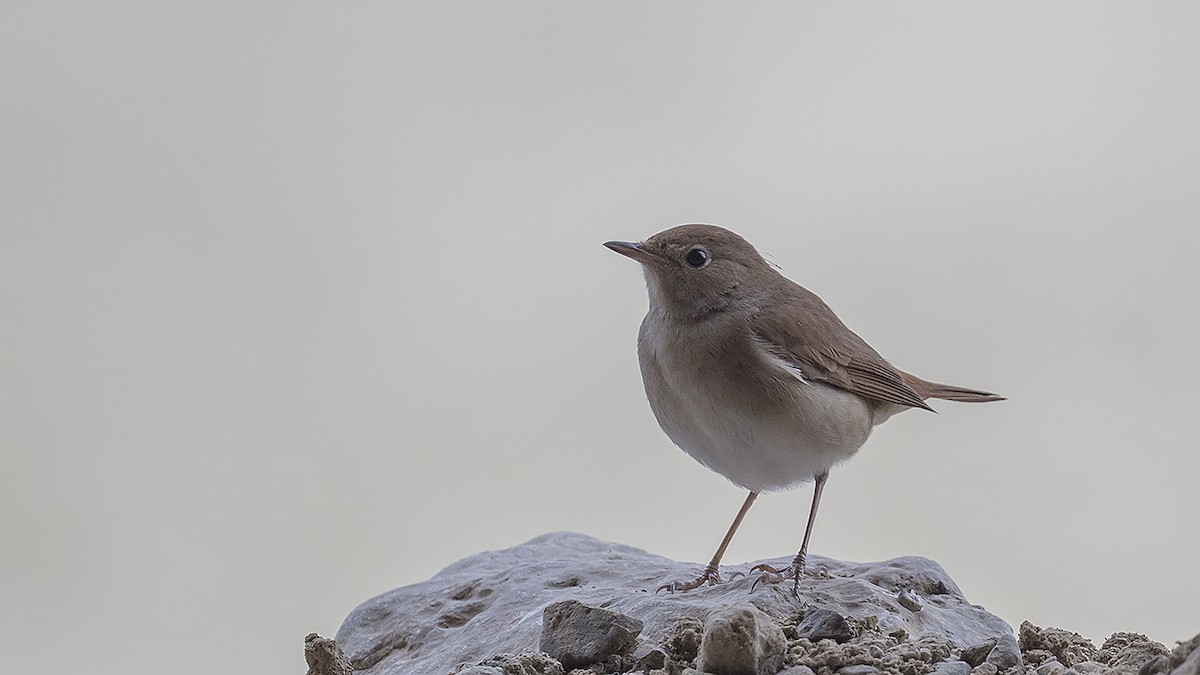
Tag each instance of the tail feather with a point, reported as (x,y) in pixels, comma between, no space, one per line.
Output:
(948,392)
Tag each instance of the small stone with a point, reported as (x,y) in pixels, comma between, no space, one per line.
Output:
(1006,653)
(860,669)
(480,670)
(977,654)
(1036,657)
(1191,664)
(1182,651)
(820,624)
(684,640)
(579,635)
(647,657)
(909,599)
(1051,667)
(1066,646)
(984,669)
(1155,665)
(741,641)
(952,667)
(525,663)
(325,657)
(1129,651)
(797,670)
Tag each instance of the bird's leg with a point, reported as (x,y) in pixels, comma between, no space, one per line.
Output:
(796,569)
(711,574)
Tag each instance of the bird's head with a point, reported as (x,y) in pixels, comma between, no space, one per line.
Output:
(697,270)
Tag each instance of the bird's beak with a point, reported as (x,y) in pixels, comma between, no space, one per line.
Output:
(632,249)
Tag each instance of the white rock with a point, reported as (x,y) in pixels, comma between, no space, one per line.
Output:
(492,602)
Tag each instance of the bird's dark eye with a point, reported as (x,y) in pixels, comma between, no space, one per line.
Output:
(697,257)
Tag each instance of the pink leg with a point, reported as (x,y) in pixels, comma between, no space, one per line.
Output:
(796,569)
(711,574)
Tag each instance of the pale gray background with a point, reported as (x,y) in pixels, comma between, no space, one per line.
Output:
(302,302)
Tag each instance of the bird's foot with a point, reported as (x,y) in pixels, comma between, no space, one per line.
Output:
(772,575)
(711,576)
(795,572)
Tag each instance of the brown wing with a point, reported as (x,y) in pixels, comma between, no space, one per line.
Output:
(949,392)
(800,327)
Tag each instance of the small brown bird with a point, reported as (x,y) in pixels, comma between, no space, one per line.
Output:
(755,377)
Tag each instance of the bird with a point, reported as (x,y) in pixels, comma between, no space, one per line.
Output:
(756,378)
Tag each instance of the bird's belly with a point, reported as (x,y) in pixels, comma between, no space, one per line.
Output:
(758,440)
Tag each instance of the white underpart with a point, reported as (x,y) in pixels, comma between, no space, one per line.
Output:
(758,445)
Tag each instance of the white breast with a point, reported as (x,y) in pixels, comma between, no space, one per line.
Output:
(762,425)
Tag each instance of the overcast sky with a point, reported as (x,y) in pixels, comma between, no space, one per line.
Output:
(302,302)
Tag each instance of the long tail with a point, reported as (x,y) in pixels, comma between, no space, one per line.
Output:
(948,392)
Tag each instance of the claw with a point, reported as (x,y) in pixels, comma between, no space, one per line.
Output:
(710,576)
(772,575)
(763,567)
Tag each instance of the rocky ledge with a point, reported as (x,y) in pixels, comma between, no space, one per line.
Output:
(565,603)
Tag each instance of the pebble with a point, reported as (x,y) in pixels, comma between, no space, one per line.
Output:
(952,667)
(820,624)
(984,669)
(860,669)
(1051,667)
(579,635)
(741,641)
(1006,653)
(909,599)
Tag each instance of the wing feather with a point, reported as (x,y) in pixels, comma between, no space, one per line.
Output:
(824,349)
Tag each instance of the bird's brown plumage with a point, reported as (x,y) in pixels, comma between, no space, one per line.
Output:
(789,321)
(756,377)
(825,350)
